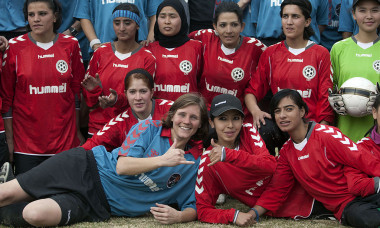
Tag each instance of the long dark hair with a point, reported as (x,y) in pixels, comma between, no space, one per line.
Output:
(294,96)
(54,5)
(306,8)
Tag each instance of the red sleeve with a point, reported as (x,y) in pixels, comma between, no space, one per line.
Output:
(340,149)
(112,135)
(91,97)
(324,109)
(77,70)
(279,187)
(359,183)
(8,78)
(258,159)
(259,83)
(207,190)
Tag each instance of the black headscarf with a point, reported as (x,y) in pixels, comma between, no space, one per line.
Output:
(181,37)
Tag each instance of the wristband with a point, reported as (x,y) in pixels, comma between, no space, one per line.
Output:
(235,216)
(93,42)
(73,31)
(257,214)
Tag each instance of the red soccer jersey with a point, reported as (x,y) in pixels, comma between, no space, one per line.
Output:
(318,165)
(243,175)
(40,86)
(308,72)
(113,134)
(178,69)
(228,74)
(359,183)
(112,72)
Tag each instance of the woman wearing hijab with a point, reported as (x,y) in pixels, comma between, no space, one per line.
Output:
(177,57)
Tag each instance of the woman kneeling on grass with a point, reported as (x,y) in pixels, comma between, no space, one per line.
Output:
(237,163)
(315,156)
(156,166)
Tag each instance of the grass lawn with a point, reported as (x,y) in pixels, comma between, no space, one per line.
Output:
(148,221)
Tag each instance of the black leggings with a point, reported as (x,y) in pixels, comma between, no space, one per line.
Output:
(362,212)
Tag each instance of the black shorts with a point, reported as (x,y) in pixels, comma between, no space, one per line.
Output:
(362,212)
(70,178)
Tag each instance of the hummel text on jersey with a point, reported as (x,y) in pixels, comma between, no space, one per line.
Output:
(45,56)
(120,65)
(364,55)
(218,89)
(303,157)
(295,60)
(225,60)
(148,182)
(47,89)
(304,94)
(169,56)
(275,2)
(173,88)
(117,1)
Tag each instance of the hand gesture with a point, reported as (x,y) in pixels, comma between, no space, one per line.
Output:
(3,43)
(215,154)
(108,101)
(90,83)
(258,118)
(174,156)
(165,214)
(245,219)
(336,101)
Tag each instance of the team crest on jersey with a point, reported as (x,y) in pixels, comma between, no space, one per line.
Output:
(237,74)
(62,66)
(185,66)
(376,66)
(309,72)
(173,180)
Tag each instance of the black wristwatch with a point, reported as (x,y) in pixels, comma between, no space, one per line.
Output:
(73,31)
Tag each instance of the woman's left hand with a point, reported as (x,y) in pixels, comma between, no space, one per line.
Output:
(3,43)
(165,214)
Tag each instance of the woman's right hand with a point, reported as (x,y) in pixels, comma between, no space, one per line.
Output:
(258,117)
(174,157)
(90,83)
(108,101)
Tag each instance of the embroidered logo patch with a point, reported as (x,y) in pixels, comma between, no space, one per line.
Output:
(173,180)
(376,66)
(185,66)
(61,66)
(309,72)
(237,74)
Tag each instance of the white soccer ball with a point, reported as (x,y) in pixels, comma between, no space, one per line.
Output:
(355,93)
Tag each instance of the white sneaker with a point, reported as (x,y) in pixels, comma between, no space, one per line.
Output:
(6,173)
(221,199)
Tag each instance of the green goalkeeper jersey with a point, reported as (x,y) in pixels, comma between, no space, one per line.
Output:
(349,60)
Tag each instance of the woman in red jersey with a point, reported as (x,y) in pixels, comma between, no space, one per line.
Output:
(296,63)
(40,88)
(139,92)
(315,157)
(237,163)
(111,62)
(178,58)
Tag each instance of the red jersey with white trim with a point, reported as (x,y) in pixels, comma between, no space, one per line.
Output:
(308,72)
(243,175)
(178,69)
(318,165)
(359,183)
(40,86)
(112,72)
(228,74)
(113,134)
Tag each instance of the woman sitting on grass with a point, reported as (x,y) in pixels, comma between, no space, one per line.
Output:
(315,157)
(237,163)
(156,166)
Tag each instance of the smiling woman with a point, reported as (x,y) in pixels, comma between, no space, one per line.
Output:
(111,62)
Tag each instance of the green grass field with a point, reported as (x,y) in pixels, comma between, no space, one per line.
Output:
(148,221)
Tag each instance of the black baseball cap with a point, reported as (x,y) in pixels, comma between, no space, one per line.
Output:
(225,102)
(356,2)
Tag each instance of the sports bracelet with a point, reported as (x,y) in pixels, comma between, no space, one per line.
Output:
(257,214)
(93,42)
